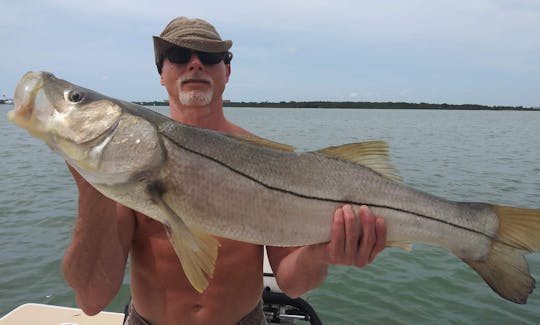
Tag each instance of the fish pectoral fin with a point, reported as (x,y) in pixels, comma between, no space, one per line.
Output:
(262,142)
(399,244)
(196,250)
(372,154)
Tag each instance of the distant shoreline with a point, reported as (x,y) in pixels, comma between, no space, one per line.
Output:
(363,105)
(354,105)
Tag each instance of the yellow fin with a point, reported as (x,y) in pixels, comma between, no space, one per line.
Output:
(263,142)
(506,271)
(371,154)
(505,268)
(518,227)
(399,244)
(196,250)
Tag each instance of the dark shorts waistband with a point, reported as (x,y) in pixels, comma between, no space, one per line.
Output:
(255,317)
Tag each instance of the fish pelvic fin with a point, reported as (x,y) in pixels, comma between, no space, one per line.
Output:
(196,250)
(505,269)
(372,154)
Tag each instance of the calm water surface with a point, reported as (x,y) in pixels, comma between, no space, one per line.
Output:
(460,155)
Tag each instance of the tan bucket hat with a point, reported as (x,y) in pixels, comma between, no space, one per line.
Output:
(195,34)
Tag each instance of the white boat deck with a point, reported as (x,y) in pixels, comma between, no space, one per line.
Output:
(57,315)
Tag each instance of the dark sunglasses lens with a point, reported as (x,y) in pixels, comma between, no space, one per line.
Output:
(210,58)
(179,55)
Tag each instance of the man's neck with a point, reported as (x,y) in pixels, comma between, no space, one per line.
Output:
(208,117)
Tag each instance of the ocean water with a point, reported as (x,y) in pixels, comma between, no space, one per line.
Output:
(461,155)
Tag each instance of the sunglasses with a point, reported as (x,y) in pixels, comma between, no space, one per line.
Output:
(180,55)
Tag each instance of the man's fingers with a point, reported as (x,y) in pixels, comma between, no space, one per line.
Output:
(337,243)
(352,234)
(356,238)
(368,237)
(380,230)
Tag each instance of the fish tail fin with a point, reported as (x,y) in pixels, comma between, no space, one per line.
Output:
(505,269)
(519,228)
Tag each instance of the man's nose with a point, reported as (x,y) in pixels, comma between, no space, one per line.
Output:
(194,62)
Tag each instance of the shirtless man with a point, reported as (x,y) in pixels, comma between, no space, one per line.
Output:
(194,66)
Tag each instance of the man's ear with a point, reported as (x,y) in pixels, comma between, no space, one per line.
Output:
(161,81)
(227,72)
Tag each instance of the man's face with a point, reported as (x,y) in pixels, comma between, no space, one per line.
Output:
(195,83)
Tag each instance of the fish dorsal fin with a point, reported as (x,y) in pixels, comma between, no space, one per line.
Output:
(262,142)
(196,250)
(371,154)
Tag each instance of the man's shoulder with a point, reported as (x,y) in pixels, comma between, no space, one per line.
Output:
(235,129)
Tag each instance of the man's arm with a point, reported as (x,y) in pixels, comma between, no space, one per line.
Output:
(356,240)
(95,260)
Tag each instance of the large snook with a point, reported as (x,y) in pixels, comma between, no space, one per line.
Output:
(200,183)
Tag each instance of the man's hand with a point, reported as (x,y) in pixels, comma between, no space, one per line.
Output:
(357,238)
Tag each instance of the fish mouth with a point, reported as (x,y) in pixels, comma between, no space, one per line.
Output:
(25,97)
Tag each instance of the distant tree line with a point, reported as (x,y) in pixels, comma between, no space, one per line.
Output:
(374,105)
(365,105)
(153,103)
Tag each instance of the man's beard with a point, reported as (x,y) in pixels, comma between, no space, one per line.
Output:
(195,97)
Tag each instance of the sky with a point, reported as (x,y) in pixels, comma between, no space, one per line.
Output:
(483,52)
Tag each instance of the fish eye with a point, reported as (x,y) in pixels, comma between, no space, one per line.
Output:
(75,96)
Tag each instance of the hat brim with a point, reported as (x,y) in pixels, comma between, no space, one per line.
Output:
(193,43)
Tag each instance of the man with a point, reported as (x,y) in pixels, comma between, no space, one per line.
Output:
(194,66)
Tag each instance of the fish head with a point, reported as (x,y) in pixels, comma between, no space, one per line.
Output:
(69,118)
